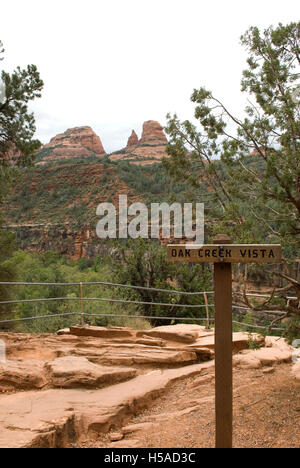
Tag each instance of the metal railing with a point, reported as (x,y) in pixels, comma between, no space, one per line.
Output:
(83,299)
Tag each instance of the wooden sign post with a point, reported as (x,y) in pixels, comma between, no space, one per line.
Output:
(222,253)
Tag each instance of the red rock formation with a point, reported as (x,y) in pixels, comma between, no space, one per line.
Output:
(149,149)
(73,143)
(133,139)
(153,133)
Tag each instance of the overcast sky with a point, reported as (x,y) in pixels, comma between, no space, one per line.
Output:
(114,64)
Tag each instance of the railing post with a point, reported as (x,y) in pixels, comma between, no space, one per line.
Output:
(81,304)
(207,312)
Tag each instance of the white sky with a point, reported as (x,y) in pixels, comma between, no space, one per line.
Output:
(114,64)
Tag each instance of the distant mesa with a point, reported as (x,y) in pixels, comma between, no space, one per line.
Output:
(78,142)
(150,148)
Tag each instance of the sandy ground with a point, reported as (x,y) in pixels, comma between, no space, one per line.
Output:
(266,414)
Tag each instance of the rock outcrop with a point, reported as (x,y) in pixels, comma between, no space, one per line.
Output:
(276,351)
(73,143)
(132,140)
(153,134)
(150,148)
(73,372)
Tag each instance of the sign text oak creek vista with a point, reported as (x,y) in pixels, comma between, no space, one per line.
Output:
(230,253)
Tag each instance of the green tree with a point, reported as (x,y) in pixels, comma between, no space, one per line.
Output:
(17,124)
(251,164)
(17,128)
(142,263)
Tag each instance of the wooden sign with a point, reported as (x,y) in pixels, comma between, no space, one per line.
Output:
(230,253)
(222,253)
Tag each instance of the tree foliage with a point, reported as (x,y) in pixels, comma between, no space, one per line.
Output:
(247,168)
(17,124)
(145,264)
(251,164)
(17,127)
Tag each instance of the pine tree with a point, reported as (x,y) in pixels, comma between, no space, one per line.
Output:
(17,146)
(247,169)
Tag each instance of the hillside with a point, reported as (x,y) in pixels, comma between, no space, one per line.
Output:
(53,207)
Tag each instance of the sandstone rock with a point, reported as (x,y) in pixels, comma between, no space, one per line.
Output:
(139,357)
(240,341)
(23,375)
(269,370)
(153,133)
(71,372)
(268,356)
(73,143)
(150,341)
(149,149)
(246,361)
(171,333)
(203,354)
(64,331)
(101,332)
(277,342)
(115,436)
(278,353)
(132,140)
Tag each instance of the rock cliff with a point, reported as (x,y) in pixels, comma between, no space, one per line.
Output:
(150,148)
(73,143)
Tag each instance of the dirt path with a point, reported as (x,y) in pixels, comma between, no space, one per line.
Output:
(266,414)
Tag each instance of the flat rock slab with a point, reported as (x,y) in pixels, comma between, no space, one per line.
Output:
(72,372)
(150,341)
(240,341)
(52,418)
(65,372)
(102,332)
(19,375)
(176,333)
(132,355)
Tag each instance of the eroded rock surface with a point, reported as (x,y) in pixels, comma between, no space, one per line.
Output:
(89,380)
(150,148)
(277,351)
(22,375)
(78,142)
(72,372)
(52,418)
